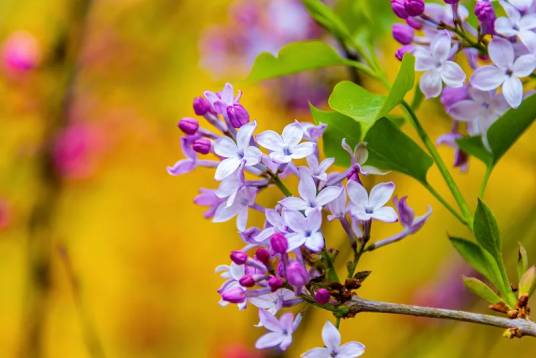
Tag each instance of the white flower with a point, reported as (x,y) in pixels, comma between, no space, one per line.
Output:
(286,147)
(273,301)
(318,170)
(337,207)
(310,199)
(229,187)
(438,69)
(275,223)
(516,24)
(334,349)
(240,208)
(365,207)
(306,230)
(506,71)
(236,154)
(281,330)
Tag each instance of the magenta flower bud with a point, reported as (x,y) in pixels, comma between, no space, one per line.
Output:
(202,145)
(297,275)
(247,281)
(21,52)
(403,33)
(201,106)
(322,296)
(414,7)
(452,2)
(263,255)
(451,95)
(486,16)
(275,283)
(399,9)
(413,22)
(238,115)
(404,50)
(239,257)
(279,243)
(234,295)
(188,125)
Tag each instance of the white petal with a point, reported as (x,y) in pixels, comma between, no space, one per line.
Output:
(226,168)
(529,40)
(270,140)
(488,78)
(293,203)
(302,150)
(269,340)
(501,52)
(223,213)
(316,353)
(315,242)
(327,195)
(466,110)
(528,22)
(269,321)
(227,94)
(295,220)
(245,132)
(351,350)
(252,156)
(511,11)
(452,74)
(441,45)
(386,214)
(242,219)
(504,26)
(225,147)
(331,336)
(307,186)
(513,91)
(524,65)
(521,4)
(359,213)
(431,84)
(424,60)
(380,194)
(292,134)
(357,193)
(313,221)
(295,240)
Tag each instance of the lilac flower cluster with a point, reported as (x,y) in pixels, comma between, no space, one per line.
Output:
(285,262)
(500,51)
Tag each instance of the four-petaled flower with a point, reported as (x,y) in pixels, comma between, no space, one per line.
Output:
(240,208)
(281,330)
(333,347)
(517,24)
(286,147)
(366,207)
(306,230)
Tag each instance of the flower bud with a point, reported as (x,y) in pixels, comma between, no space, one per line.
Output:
(188,125)
(297,276)
(404,50)
(399,9)
(275,283)
(201,106)
(486,16)
(202,145)
(452,2)
(279,243)
(238,115)
(263,255)
(322,296)
(414,7)
(21,52)
(413,22)
(234,295)
(403,33)
(239,257)
(247,281)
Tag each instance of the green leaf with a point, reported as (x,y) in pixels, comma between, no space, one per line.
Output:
(327,18)
(474,146)
(390,149)
(338,127)
(482,290)
(522,261)
(486,230)
(293,58)
(403,84)
(527,283)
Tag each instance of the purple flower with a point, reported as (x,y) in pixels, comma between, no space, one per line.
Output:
(281,330)
(236,154)
(240,208)
(485,13)
(517,24)
(275,224)
(231,287)
(297,275)
(366,207)
(286,147)
(306,230)
(451,96)
(337,207)
(224,99)
(238,115)
(403,33)
(318,170)
(407,217)
(437,66)
(506,71)
(333,347)
(208,198)
(272,302)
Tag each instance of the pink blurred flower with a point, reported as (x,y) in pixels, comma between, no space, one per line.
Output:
(5,214)
(21,52)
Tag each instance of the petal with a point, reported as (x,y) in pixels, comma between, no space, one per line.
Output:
(181,167)
(440,47)
(315,242)
(331,336)
(270,140)
(293,203)
(424,60)
(307,186)
(529,40)
(351,350)
(242,219)
(488,78)
(269,321)
(295,220)
(226,168)
(501,52)
(269,340)
(431,84)
(280,157)
(252,156)
(357,193)
(327,195)
(511,11)
(465,111)
(223,213)
(292,134)
(225,147)
(313,221)
(316,353)
(243,138)
(528,22)
(227,94)
(295,241)
(302,150)
(285,321)
(524,65)
(504,26)
(359,213)
(380,194)
(452,74)
(513,91)
(385,214)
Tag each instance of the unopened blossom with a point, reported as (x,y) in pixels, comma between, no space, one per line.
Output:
(434,61)
(220,101)
(236,153)
(306,230)
(310,199)
(286,147)
(281,330)
(366,207)
(21,52)
(403,33)
(333,347)
(506,71)
(518,23)
(297,275)
(240,208)
(359,156)
(485,13)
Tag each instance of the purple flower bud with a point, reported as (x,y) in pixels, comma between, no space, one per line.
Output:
(239,257)
(238,115)
(188,125)
(297,276)
(404,50)
(247,281)
(263,255)
(275,283)
(234,295)
(322,296)
(403,33)
(486,16)
(451,95)
(413,22)
(279,243)
(405,213)
(399,9)
(201,106)
(414,7)
(202,145)
(452,2)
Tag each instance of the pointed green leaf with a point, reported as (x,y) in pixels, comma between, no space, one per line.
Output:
(327,18)
(403,84)
(338,127)
(390,149)
(482,290)
(527,283)
(522,261)
(474,146)
(486,230)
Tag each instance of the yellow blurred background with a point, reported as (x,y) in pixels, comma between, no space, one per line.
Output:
(139,248)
